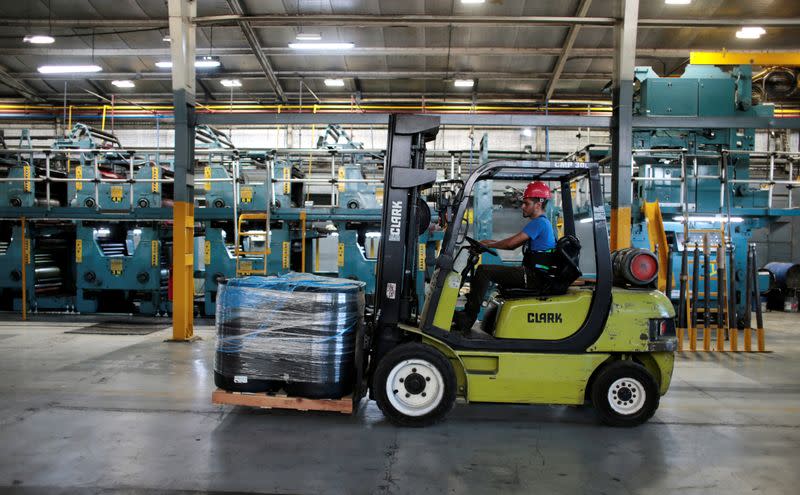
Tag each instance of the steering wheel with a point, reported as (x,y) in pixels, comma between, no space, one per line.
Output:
(480,248)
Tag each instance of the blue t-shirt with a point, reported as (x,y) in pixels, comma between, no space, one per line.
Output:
(540,230)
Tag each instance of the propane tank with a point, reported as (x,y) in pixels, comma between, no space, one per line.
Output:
(634,267)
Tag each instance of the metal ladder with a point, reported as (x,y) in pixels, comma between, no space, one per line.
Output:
(245,267)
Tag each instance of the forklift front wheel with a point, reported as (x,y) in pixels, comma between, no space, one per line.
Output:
(414,385)
(625,394)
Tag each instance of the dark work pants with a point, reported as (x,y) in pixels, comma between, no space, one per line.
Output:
(507,276)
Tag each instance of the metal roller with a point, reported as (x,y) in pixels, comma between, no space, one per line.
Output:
(49,277)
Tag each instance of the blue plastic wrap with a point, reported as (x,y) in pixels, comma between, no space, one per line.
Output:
(298,332)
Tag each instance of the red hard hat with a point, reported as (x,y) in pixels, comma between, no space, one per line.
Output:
(537,189)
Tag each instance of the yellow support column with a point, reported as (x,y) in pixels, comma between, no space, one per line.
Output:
(620,228)
(182,33)
(183,272)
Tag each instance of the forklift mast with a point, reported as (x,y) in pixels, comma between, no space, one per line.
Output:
(404,175)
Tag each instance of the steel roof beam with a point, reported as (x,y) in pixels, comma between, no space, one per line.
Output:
(355,52)
(572,35)
(374,97)
(19,86)
(258,51)
(399,20)
(86,23)
(491,21)
(365,75)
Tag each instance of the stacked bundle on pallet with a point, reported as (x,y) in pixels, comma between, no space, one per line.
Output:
(297,332)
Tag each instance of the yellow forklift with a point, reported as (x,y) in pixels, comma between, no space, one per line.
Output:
(592,342)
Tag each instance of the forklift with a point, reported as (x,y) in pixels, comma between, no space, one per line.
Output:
(591,343)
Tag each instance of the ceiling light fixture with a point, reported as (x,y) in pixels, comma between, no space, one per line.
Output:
(677,2)
(68,69)
(231,83)
(334,82)
(38,39)
(308,37)
(750,32)
(527,132)
(167,39)
(321,46)
(207,63)
(123,83)
(472,2)
(464,83)
(200,63)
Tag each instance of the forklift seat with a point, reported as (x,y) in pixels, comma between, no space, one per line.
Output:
(554,271)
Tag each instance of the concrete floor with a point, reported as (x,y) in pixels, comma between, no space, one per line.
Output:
(132,414)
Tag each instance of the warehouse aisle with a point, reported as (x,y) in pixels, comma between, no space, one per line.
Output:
(98,413)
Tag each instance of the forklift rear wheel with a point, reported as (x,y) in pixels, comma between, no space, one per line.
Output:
(414,385)
(625,394)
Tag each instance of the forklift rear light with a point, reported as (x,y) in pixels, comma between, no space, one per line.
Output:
(662,328)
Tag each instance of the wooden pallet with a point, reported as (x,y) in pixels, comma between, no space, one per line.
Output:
(281,401)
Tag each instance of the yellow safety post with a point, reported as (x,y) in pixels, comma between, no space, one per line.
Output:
(733,336)
(25,257)
(103,120)
(303,241)
(748,340)
(733,331)
(316,255)
(183,271)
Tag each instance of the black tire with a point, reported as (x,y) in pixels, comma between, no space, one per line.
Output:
(636,393)
(422,370)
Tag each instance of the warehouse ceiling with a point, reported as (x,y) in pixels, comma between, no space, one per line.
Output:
(394,58)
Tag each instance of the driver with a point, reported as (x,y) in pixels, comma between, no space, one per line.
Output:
(536,236)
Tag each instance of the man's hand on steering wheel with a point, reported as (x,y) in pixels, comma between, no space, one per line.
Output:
(479,247)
